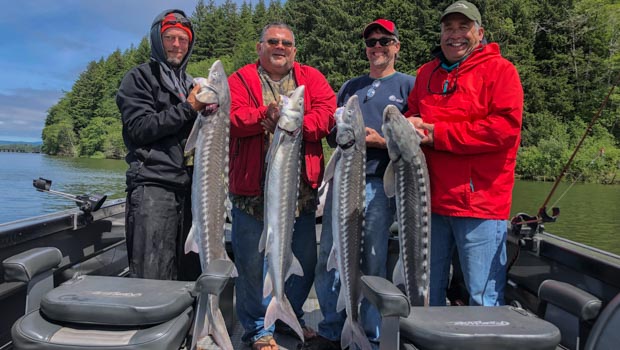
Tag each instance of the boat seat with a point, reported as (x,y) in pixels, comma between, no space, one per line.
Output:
(570,308)
(452,327)
(97,312)
(605,334)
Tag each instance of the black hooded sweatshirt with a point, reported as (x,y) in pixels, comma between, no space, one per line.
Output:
(156,117)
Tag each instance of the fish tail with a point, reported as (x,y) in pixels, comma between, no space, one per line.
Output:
(281,309)
(353,333)
(217,326)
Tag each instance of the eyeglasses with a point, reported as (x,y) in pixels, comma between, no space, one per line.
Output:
(173,38)
(446,88)
(275,42)
(371,92)
(384,41)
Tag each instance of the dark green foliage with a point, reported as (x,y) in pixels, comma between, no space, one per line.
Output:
(567,54)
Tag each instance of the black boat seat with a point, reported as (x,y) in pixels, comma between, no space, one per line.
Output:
(97,312)
(451,327)
(34,331)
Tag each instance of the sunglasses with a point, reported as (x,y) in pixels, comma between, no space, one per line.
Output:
(373,88)
(446,89)
(182,21)
(275,42)
(384,41)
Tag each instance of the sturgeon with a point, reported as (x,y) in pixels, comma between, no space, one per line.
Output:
(281,192)
(209,140)
(407,178)
(347,171)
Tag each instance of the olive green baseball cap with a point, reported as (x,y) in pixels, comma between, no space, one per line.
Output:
(465,8)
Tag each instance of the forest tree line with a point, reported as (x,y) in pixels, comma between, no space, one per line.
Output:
(567,54)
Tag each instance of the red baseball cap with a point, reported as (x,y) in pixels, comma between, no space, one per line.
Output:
(176,20)
(389,26)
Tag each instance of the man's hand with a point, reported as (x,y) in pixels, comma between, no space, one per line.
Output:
(191,99)
(373,139)
(272,117)
(425,130)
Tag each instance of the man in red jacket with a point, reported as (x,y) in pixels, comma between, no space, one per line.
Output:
(468,103)
(255,90)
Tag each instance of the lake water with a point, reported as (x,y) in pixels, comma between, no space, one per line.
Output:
(590,213)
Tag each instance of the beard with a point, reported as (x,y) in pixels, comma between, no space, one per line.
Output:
(174,62)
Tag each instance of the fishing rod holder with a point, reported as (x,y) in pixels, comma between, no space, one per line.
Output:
(86,203)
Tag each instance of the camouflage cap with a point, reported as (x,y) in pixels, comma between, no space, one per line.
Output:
(465,8)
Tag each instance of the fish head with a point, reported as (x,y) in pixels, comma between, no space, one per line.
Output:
(400,136)
(350,125)
(292,110)
(214,89)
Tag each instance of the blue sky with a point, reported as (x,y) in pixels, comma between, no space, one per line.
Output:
(47,43)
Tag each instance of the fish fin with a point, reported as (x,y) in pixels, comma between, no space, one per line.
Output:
(217,326)
(398,276)
(353,333)
(267,286)
(389,185)
(332,260)
(330,168)
(190,241)
(190,144)
(342,299)
(322,197)
(294,269)
(282,310)
(263,240)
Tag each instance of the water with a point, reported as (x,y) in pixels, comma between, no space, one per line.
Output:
(589,212)
(76,176)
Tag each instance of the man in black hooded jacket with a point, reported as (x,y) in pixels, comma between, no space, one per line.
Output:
(157,101)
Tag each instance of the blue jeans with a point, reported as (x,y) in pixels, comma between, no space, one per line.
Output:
(250,263)
(379,216)
(481,246)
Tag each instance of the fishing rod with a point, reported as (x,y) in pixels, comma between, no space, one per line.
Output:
(542,216)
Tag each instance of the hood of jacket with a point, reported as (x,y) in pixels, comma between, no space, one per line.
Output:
(176,80)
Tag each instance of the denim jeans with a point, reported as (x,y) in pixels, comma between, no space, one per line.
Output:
(250,263)
(481,246)
(379,215)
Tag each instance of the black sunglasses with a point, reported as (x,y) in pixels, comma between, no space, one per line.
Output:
(275,42)
(384,41)
(446,89)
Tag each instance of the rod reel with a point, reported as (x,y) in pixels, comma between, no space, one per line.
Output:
(87,203)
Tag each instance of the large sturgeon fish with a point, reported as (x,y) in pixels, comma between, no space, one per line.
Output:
(407,178)
(281,191)
(347,171)
(209,140)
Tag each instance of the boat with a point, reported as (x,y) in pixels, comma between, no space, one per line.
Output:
(573,290)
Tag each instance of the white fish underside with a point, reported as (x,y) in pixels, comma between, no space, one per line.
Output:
(210,190)
(281,192)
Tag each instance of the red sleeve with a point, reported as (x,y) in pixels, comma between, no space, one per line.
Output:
(320,105)
(500,129)
(246,109)
(412,100)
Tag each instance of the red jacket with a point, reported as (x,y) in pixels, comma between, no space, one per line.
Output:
(476,136)
(247,136)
